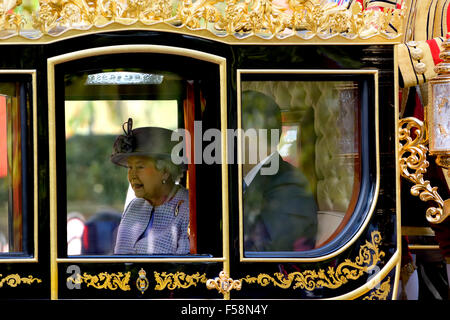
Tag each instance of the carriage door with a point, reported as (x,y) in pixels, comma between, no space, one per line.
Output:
(22,271)
(92,93)
(314,206)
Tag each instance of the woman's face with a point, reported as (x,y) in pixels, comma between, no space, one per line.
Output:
(144,178)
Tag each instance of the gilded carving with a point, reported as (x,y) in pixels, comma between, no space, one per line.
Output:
(104,280)
(142,281)
(239,18)
(13,280)
(368,257)
(223,283)
(9,19)
(177,280)
(382,292)
(413,165)
(192,15)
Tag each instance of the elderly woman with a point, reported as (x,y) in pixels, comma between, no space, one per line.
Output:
(157,220)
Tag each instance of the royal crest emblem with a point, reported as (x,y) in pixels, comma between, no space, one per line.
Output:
(142,281)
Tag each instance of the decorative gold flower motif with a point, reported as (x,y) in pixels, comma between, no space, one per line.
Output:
(238,18)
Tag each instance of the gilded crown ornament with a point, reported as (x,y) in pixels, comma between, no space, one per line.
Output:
(142,281)
(241,19)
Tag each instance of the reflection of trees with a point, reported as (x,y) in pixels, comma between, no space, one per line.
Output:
(87,116)
(84,115)
(93,181)
(107,116)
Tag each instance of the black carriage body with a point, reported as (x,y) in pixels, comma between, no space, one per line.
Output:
(361,262)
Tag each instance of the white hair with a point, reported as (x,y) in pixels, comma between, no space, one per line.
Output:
(175,172)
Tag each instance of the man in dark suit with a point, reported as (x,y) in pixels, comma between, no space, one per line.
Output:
(280,212)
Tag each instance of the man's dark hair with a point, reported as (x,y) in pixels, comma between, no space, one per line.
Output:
(255,103)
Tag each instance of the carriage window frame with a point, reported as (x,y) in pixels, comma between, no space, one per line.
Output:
(371,185)
(116,50)
(31,200)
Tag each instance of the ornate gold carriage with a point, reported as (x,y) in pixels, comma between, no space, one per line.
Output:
(73,71)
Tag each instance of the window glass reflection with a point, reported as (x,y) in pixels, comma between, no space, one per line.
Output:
(97,190)
(157,220)
(4,185)
(95,98)
(310,197)
(14,107)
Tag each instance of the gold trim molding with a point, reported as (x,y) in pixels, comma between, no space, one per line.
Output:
(368,257)
(413,165)
(104,280)
(300,20)
(381,293)
(13,280)
(177,280)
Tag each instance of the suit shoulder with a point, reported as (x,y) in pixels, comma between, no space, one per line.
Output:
(288,174)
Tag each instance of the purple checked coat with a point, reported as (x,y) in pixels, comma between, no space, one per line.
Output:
(168,233)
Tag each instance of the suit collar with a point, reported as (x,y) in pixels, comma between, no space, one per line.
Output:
(256,169)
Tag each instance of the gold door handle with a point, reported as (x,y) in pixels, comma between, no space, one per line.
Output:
(223,283)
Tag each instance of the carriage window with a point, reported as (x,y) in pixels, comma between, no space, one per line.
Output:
(301,153)
(15,172)
(131,181)
(98,191)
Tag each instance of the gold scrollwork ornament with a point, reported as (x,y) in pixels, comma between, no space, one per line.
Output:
(369,256)
(104,280)
(413,165)
(382,292)
(13,280)
(223,283)
(177,280)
